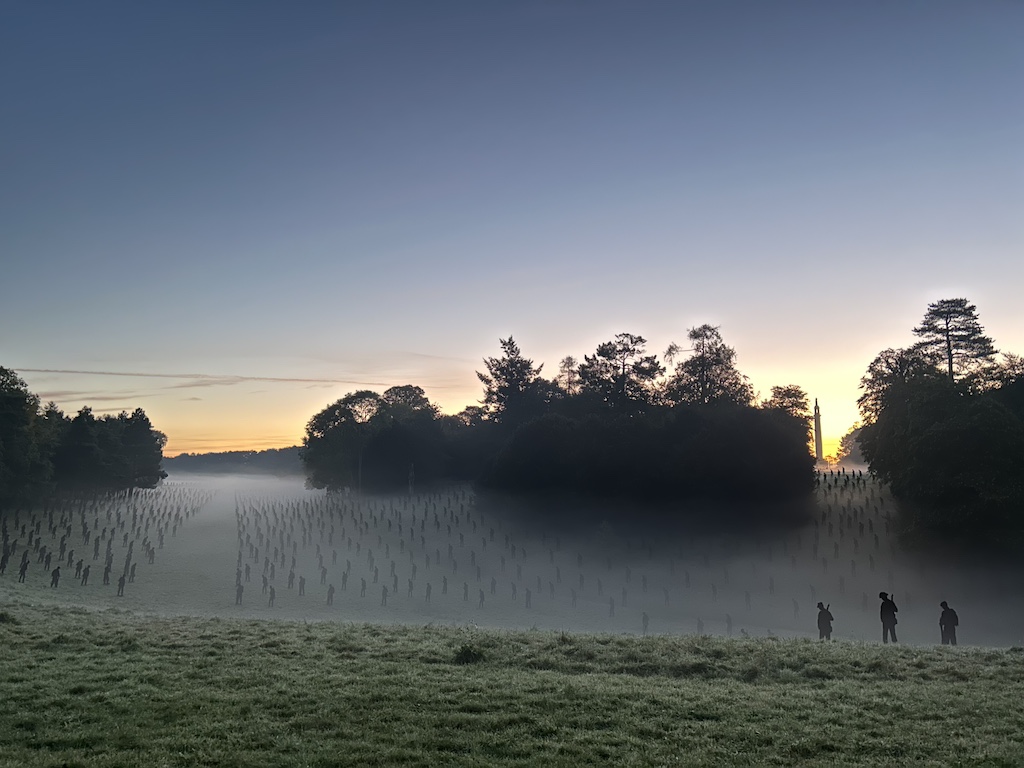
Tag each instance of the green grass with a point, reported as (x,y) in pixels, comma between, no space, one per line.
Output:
(82,688)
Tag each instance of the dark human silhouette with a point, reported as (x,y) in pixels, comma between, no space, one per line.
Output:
(948,622)
(330,595)
(22,570)
(824,622)
(55,577)
(887,612)
(85,576)
(238,594)
(120,585)
(273,594)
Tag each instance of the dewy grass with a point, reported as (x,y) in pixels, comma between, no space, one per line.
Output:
(82,688)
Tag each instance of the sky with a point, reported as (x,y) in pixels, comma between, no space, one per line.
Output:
(232,214)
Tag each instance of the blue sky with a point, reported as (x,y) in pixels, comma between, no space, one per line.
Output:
(269,205)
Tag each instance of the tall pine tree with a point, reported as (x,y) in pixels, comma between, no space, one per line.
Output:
(952,334)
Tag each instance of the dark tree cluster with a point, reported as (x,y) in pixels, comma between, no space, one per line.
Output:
(683,453)
(944,426)
(619,423)
(42,449)
(273,461)
(376,441)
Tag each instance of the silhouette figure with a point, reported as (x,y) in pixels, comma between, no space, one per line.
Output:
(55,577)
(824,622)
(887,612)
(330,595)
(85,576)
(273,594)
(238,594)
(120,585)
(948,622)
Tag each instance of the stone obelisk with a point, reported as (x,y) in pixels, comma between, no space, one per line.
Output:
(817,432)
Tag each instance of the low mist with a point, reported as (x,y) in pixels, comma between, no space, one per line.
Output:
(453,558)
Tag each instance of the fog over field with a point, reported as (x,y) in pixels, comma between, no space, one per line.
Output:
(450,558)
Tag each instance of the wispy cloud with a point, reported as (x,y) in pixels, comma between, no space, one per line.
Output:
(62,395)
(205,379)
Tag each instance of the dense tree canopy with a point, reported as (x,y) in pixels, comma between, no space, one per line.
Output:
(42,449)
(791,400)
(603,427)
(891,367)
(943,426)
(513,389)
(620,373)
(375,440)
(24,462)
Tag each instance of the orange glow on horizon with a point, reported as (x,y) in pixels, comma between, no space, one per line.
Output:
(830,444)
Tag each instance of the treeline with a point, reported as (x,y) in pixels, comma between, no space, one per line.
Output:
(621,423)
(42,449)
(944,426)
(273,461)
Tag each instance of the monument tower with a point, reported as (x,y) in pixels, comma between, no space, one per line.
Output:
(817,432)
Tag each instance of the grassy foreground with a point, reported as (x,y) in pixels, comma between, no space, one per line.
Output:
(81,688)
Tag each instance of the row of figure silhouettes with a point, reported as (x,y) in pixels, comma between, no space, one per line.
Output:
(948,621)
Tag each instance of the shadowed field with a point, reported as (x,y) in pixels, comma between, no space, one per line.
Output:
(92,688)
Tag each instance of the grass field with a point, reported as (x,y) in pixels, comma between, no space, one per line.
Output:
(83,687)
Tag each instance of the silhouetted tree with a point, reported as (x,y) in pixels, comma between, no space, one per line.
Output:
(709,375)
(621,373)
(955,458)
(1010,369)
(512,391)
(472,415)
(408,400)
(891,367)
(792,400)
(952,333)
(79,461)
(24,456)
(142,450)
(336,438)
(569,375)
(371,440)
(849,451)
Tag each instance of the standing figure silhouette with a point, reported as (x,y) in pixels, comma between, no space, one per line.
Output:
(887,612)
(948,622)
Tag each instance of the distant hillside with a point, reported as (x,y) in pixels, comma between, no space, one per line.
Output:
(275,461)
